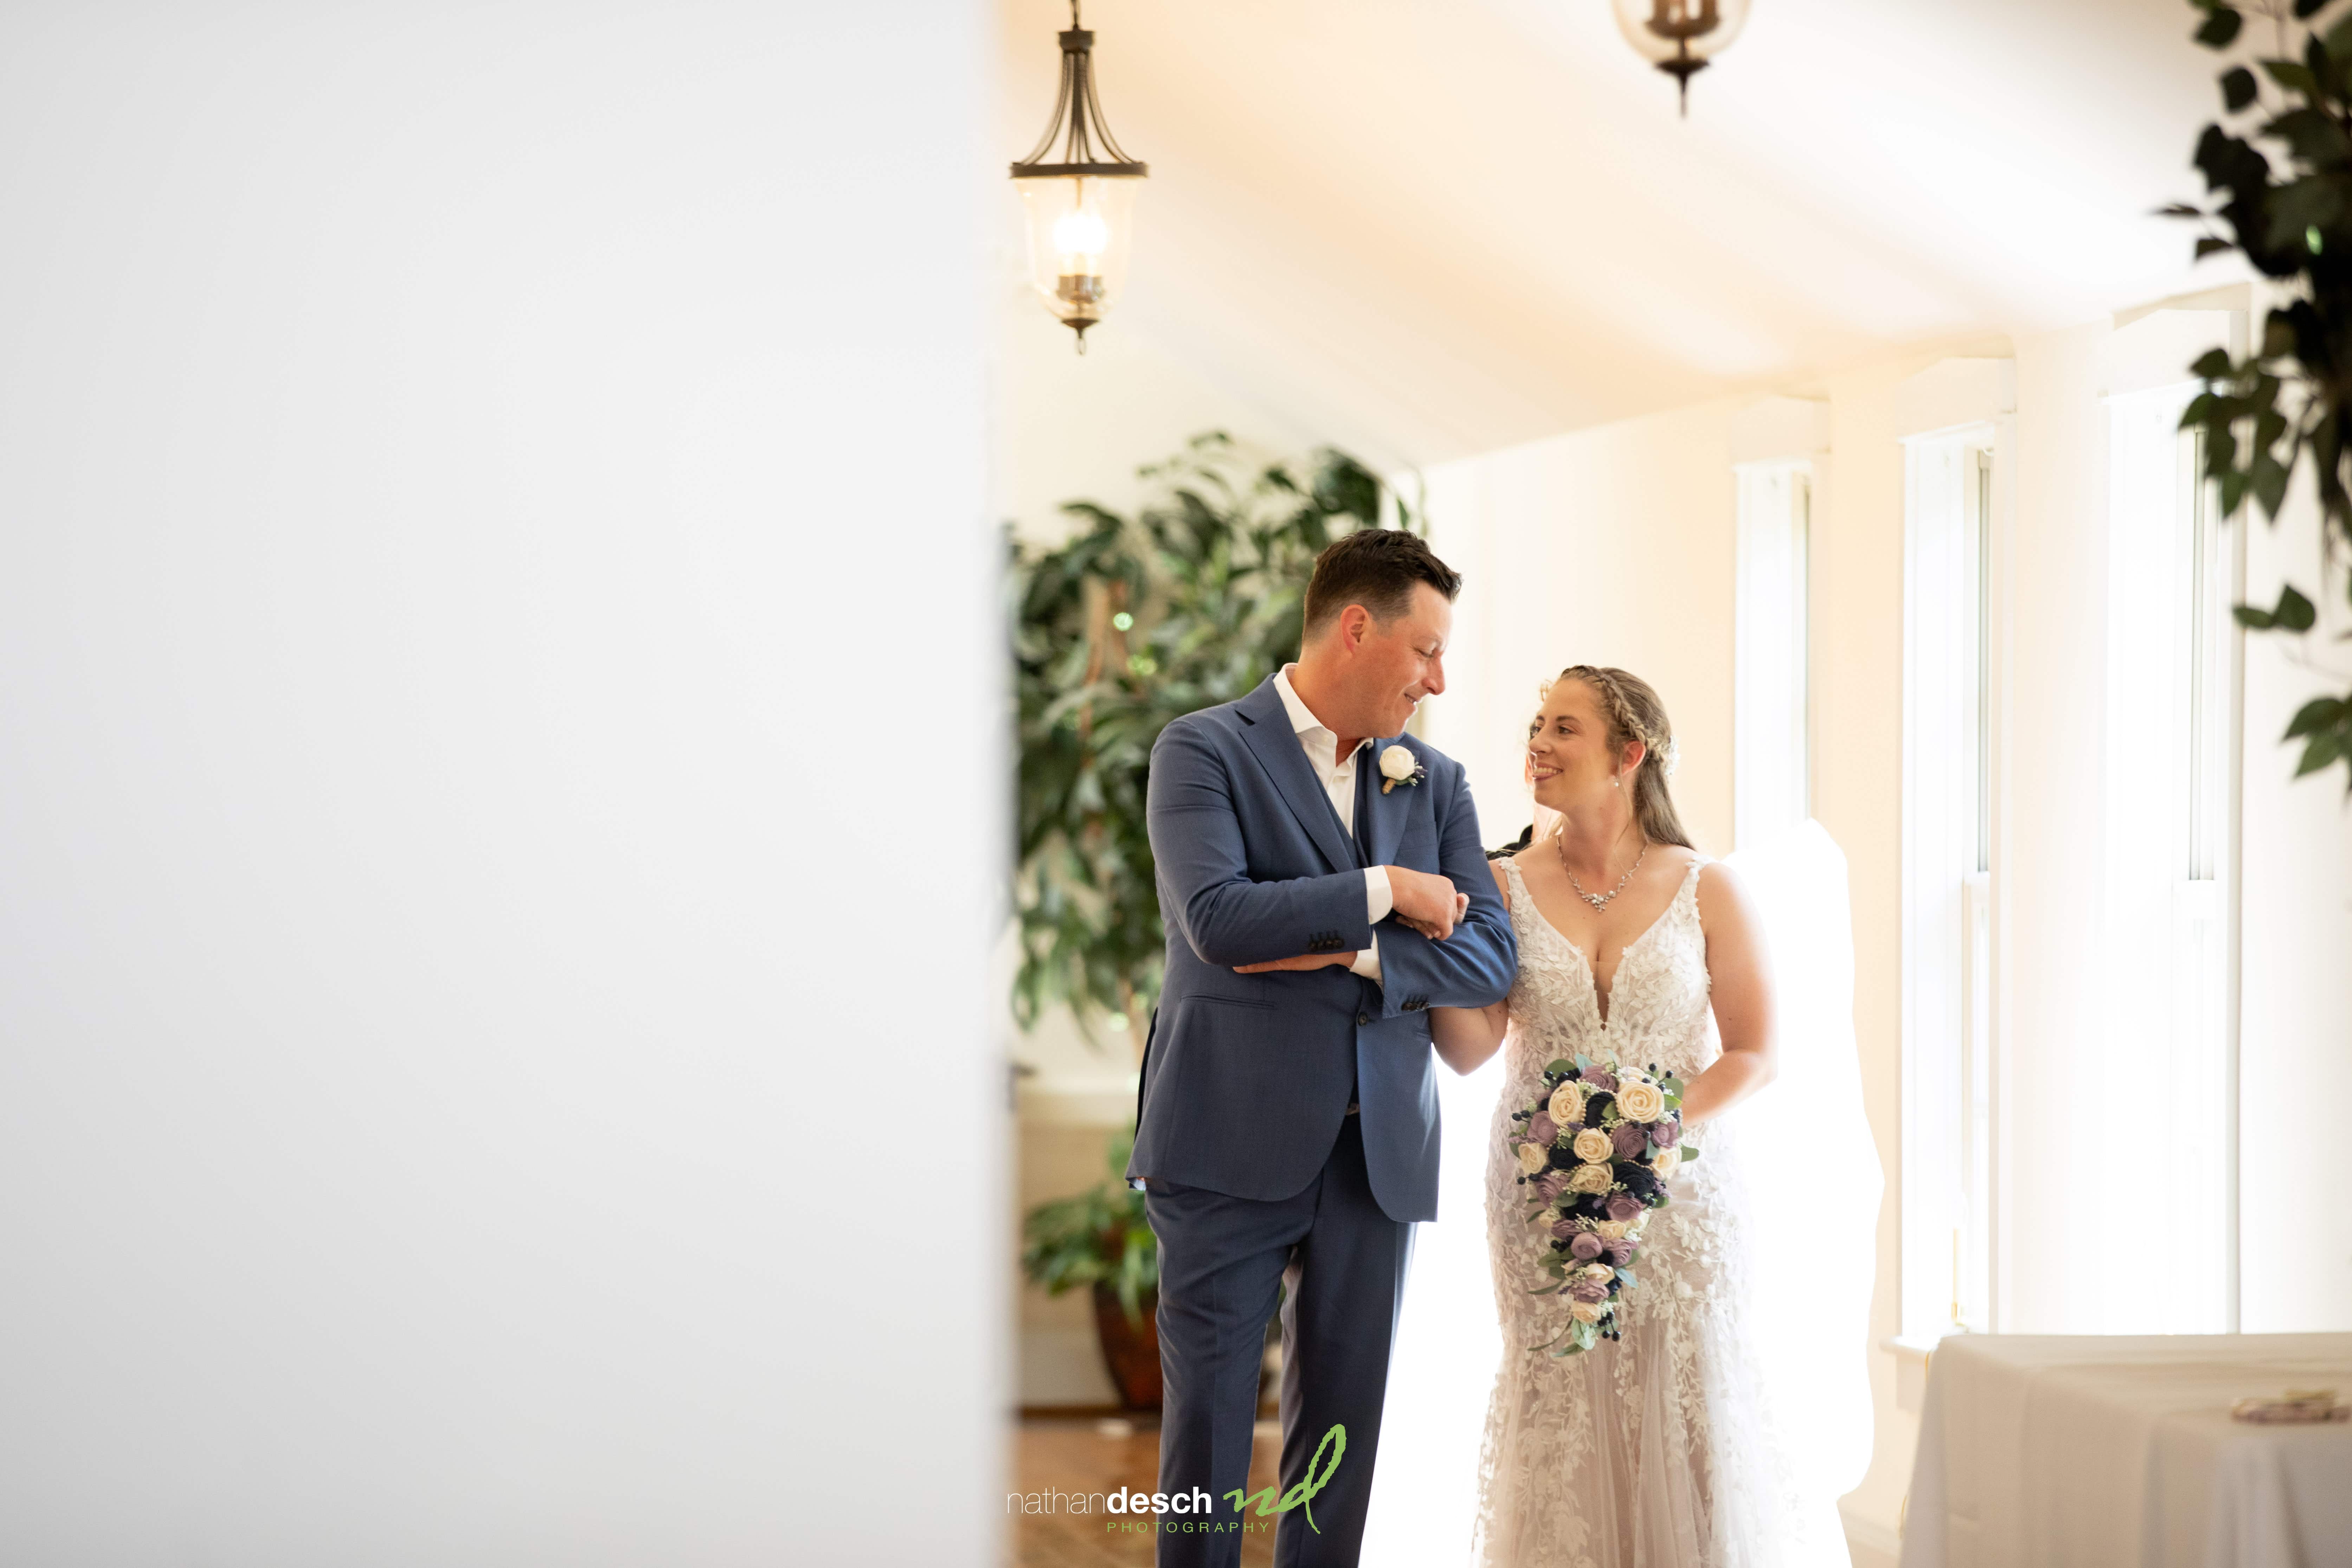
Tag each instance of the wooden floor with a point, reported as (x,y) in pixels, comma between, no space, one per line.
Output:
(1087,1459)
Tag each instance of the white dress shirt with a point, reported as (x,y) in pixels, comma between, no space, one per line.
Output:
(1337,775)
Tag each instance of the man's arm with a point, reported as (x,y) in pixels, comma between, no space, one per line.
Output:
(1473,967)
(1196,839)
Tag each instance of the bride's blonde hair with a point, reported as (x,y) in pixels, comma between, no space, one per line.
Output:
(1635,713)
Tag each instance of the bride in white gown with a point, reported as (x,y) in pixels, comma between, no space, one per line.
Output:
(1660,1449)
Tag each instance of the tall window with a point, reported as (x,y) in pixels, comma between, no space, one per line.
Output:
(2172,751)
(1947,864)
(1772,729)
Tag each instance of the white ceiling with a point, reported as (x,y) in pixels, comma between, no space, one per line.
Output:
(1433,228)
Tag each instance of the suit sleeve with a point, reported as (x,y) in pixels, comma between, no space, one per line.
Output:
(1473,967)
(1207,894)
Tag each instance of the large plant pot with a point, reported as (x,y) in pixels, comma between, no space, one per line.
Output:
(1130,1350)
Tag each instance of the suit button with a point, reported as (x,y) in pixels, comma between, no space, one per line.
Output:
(1363,1018)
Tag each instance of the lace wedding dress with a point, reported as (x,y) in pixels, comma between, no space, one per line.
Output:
(1656,1450)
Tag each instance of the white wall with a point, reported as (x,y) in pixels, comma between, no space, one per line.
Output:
(495,557)
(1609,546)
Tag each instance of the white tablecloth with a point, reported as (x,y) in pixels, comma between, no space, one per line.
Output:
(2097,1452)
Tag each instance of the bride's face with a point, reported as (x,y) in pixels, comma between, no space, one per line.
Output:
(1570,760)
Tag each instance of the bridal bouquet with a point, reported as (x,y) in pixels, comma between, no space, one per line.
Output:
(1596,1151)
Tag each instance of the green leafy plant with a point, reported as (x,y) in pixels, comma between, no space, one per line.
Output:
(1128,624)
(2289,213)
(1099,1236)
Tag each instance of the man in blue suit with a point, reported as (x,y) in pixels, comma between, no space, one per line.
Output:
(1323,886)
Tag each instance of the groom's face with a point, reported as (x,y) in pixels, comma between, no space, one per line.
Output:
(1398,664)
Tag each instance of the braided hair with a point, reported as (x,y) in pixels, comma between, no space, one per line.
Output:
(1635,713)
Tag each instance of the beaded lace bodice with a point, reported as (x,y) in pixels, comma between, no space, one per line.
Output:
(1652,1451)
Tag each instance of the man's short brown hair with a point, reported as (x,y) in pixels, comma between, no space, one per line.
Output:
(1377,568)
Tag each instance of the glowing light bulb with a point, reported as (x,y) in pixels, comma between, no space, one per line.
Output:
(1081,236)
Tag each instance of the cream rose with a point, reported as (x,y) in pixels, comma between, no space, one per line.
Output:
(1592,1145)
(1641,1101)
(1567,1103)
(1588,1312)
(1397,762)
(1590,1179)
(1532,1158)
(1600,1273)
(1667,1159)
(1614,1229)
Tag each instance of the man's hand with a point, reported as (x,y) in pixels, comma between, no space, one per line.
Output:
(1303,960)
(1425,902)
(1460,908)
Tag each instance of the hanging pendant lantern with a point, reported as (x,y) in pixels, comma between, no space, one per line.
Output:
(1679,36)
(1080,197)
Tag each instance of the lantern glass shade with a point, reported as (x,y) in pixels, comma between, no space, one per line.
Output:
(1680,36)
(1081,227)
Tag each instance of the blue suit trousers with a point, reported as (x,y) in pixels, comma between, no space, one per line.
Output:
(1340,1262)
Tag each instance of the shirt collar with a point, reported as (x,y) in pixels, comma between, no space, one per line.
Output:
(1302,718)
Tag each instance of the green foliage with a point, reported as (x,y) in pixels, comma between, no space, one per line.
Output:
(1100,1235)
(2289,212)
(1131,623)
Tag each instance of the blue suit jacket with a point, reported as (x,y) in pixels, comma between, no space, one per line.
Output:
(1246,1078)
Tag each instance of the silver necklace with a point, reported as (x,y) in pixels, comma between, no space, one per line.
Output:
(1598,900)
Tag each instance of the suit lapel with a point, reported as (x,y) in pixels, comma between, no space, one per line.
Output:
(1275,745)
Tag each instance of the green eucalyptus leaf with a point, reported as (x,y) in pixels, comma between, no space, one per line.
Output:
(2324,750)
(2220,28)
(2292,75)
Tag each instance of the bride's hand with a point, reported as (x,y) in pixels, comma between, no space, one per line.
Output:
(1460,908)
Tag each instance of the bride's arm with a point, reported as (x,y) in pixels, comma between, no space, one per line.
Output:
(1741,983)
(1467,1037)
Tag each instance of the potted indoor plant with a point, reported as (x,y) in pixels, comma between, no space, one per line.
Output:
(1101,1238)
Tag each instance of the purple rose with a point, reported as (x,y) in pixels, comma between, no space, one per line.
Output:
(1582,1245)
(1542,1128)
(1629,1139)
(1623,1207)
(1587,1290)
(1621,1252)
(1666,1132)
(1551,1183)
(1599,1077)
(1561,1229)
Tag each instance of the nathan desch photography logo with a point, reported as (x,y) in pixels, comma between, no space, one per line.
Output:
(1193,1509)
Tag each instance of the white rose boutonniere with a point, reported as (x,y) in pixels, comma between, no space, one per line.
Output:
(1400,766)
(1641,1101)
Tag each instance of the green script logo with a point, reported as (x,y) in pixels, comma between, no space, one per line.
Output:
(1300,1496)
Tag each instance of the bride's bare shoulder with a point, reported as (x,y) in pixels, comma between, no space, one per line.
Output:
(1722,896)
